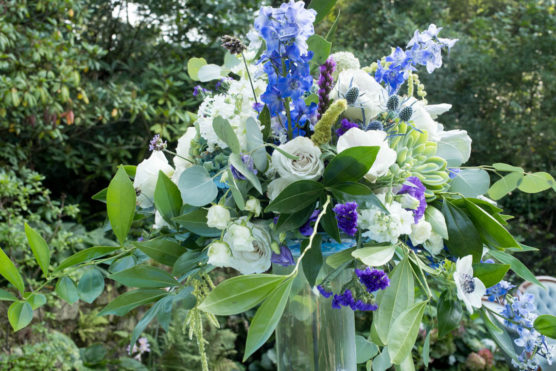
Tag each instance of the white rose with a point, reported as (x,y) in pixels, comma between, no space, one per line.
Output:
(253,205)
(218,217)
(219,254)
(308,166)
(159,221)
(371,99)
(434,244)
(386,156)
(146,176)
(454,146)
(182,150)
(344,61)
(252,253)
(422,119)
(436,110)
(420,232)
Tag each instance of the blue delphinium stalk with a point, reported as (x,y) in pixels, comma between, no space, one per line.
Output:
(424,49)
(413,187)
(500,290)
(346,215)
(286,62)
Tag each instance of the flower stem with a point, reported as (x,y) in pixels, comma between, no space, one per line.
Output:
(249,76)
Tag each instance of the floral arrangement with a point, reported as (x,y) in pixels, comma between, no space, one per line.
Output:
(300,158)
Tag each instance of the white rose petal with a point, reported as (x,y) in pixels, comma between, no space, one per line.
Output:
(250,247)
(422,119)
(146,177)
(434,244)
(239,238)
(218,217)
(308,166)
(386,156)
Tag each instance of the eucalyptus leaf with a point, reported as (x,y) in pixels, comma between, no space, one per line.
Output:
(471,182)
(90,285)
(255,144)
(236,161)
(66,289)
(226,133)
(197,187)
(364,349)
(505,167)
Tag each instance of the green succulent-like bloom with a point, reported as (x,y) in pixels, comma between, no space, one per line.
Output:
(323,128)
(417,157)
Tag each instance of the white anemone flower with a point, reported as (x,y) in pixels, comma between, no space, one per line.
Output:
(470,289)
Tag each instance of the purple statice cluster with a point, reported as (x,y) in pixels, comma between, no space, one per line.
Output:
(249,164)
(520,314)
(371,279)
(413,187)
(346,215)
(285,31)
(499,291)
(345,125)
(285,258)
(198,89)
(424,49)
(325,85)
(157,144)
(307,228)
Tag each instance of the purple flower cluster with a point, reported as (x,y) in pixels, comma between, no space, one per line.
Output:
(346,215)
(285,258)
(249,164)
(157,144)
(198,89)
(346,300)
(345,125)
(373,279)
(424,49)
(413,187)
(307,228)
(325,85)
(286,62)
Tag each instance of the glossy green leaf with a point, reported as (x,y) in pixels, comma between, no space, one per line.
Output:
(375,256)
(471,182)
(144,276)
(463,238)
(167,197)
(20,314)
(505,167)
(350,165)
(289,222)
(504,185)
(515,265)
(238,294)
(39,248)
(196,222)
(395,299)
(120,204)
(312,261)
(266,318)
(36,300)
(490,274)
(193,67)
(236,192)
(536,182)
(66,289)
(90,285)
(339,258)
(86,255)
(10,272)
(187,262)
(425,354)
(404,331)
(356,192)
(297,196)
(122,264)
(264,118)
(330,223)
(449,314)
(236,161)
(7,296)
(320,48)
(490,230)
(364,349)
(197,187)
(226,133)
(100,195)
(165,251)
(546,325)
(323,7)
(130,300)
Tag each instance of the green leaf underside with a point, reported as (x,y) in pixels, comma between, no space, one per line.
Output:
(266,318)
(20,314)
(404,331)
(238,294)
(374,256)
(82,256)
(130,300)
(145,276)
(120,204)
(504,185)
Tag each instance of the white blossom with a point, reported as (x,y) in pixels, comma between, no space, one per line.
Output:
(253,205)
(146,177)
(344,61)
(420,232)
(470,290)
(218,217)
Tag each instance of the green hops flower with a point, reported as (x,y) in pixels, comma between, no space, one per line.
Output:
(323,128)
(393,103)
(352,95)
(405,114)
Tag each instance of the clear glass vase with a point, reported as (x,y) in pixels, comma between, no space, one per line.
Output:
(312,335)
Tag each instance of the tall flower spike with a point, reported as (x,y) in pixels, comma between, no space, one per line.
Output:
(325,85)
(323,128)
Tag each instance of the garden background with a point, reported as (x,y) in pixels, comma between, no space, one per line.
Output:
(84,85)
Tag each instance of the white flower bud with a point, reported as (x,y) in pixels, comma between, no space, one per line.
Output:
(146,177)
(219,254)
(409,202)
(253,205)
(218,217)
(420,232)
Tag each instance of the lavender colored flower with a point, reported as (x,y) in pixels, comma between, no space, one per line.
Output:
(345,125)
(249,164)
(324,292)
(157,144)
(325,85)
(285,258)
(198,89)
(346,215)
(346,300)
(307,228)
(453,172)
(500,290)
(413,187)
(373,279)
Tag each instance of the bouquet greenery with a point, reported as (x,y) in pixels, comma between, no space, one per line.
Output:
(301,158)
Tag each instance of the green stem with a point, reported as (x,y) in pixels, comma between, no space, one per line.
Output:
(175,154)
(249,76)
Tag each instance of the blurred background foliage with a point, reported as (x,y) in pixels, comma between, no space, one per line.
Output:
(84,84)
